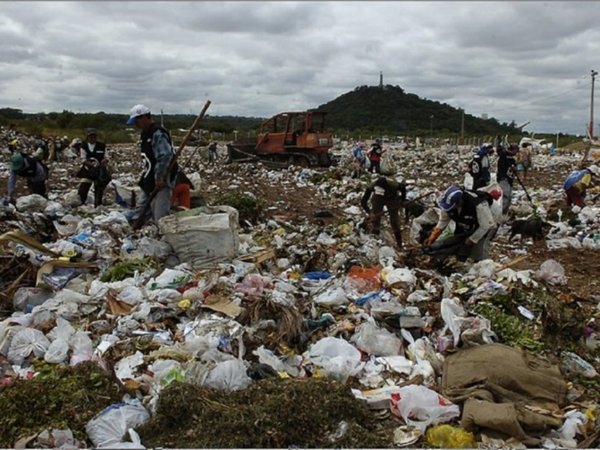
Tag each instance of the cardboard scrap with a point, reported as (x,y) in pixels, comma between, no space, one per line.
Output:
(223,305)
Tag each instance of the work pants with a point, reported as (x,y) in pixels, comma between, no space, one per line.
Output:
(575,197)
(506,194)
(84,189)
(37,187)
(393,207)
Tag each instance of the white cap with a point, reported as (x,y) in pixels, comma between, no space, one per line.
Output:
(136,111)
(595,170)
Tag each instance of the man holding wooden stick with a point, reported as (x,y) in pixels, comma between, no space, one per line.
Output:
(158,177)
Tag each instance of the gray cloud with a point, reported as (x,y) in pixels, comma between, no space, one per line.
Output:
(522,61)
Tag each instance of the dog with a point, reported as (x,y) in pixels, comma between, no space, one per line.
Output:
(533,228)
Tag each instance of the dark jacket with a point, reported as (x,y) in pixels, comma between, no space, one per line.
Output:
(98,153)
(391,189)
(505,163)
(147,180)
(466,219)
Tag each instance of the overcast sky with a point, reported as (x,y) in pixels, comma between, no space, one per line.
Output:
(522,61)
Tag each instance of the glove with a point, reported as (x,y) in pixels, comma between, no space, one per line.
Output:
(435,233)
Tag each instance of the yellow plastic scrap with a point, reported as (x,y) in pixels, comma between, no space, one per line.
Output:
(184,303)
(447,436)
(344,229)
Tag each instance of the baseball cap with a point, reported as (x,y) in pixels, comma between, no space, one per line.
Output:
(17,162)
(136,111)
(91,131)
(450,198)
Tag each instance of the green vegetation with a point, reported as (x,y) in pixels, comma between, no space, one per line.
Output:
(249,207)
(58,397)
(127,269)
(270,413)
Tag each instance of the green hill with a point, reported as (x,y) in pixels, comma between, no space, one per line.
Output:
(390,110)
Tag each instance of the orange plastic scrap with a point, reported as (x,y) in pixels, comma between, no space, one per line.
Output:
(365,279)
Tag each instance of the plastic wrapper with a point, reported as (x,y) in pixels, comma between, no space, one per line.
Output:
(337,357)
(228,376)
(420,406)
(108,428)
(26,342)
(447,436)
(552,272)
(376,341)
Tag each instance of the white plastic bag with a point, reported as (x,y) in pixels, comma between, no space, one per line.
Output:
(552,272)
(335,296)
(453,314)
(376,341)
(26,342)
(228,376)
(107,429)
(337,357)
(420,407)
(83,348)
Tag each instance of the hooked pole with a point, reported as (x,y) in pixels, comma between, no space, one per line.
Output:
(591,127)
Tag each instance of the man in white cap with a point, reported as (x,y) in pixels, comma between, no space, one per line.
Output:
(577,183)
(156,181)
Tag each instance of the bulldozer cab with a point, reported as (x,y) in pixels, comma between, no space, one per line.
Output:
(294,130)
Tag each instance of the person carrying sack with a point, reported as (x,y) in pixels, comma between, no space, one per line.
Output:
(94,169)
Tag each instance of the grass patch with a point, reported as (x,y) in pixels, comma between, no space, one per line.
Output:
(57,398)
(249,207)
(271,413)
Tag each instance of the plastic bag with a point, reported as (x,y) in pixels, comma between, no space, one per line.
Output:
(228,376)
(572,363)
(253,285)
(552,272)
(447,436)
(337,357)
(59,348)
(364,279)
(453,314)
(376,341)
(83,348)
(107,429)
(335,296)
(26,342)
(420,407)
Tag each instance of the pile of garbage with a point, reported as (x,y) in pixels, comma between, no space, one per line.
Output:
(205,330)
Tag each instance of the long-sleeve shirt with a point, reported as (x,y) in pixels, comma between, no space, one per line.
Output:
(485,221)
(163,153)
(40,175)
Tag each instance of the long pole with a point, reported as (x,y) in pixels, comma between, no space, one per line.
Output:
(462,126)
(591,125)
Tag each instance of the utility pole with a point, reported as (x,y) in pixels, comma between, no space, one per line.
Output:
(462,126)
(591,129)
(162,123)
(431,125)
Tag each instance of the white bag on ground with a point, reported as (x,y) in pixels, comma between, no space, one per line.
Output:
(107,429)
(420,406)
(375,340)
(228,376)
(26,342)
(336,356)
(31,203)
(201,233)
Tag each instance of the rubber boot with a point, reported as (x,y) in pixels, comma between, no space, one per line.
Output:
(398,236)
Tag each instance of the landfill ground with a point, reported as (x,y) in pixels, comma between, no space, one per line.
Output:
(222,353)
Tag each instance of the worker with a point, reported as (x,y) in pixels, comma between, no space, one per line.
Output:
(212,154)
(386,192)
(479,166)
(34,170)
(375,154)
(181,192)
(94,169)
(505,171)
(577,183)
(474,221)
(360,160)
(524,161)
(158,177)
